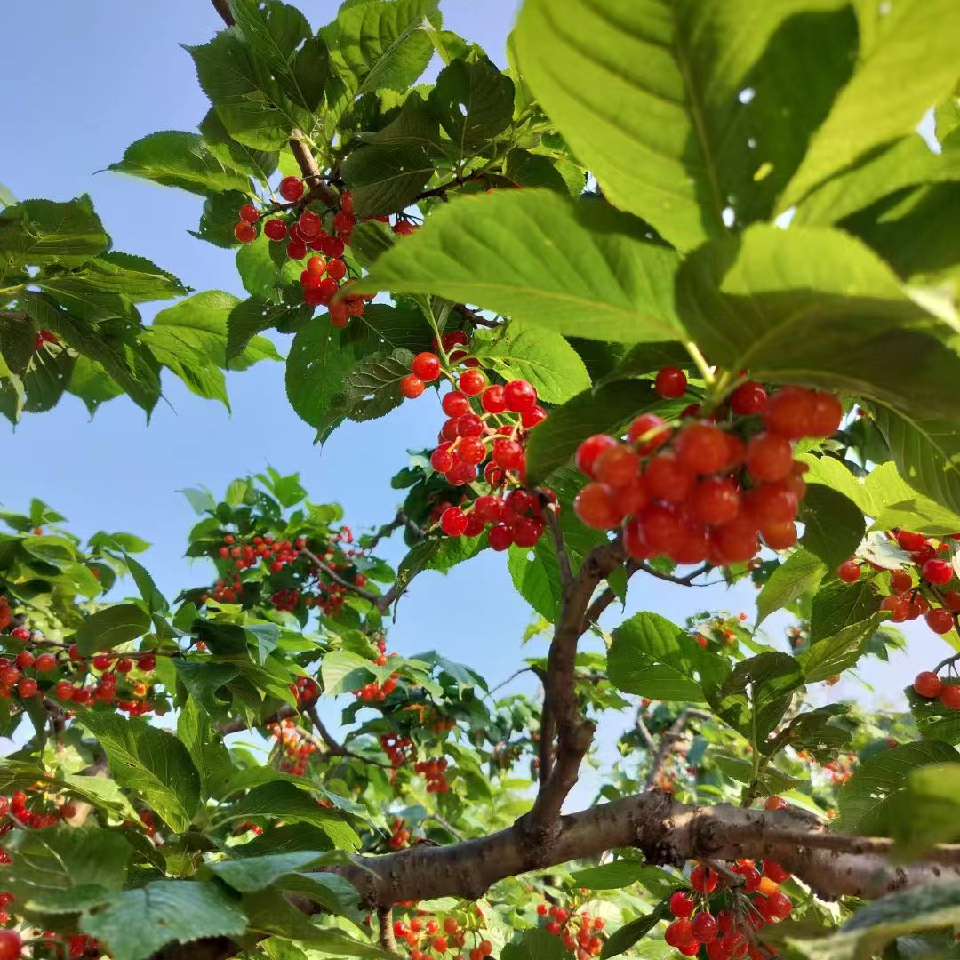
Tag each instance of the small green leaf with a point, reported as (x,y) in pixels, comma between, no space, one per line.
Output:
(260,164)
(476,250)
(136,923)
(929,809)
(654,658)
(371,388)
(149,761)
(110,627)
(832,655)
(820,732)
(528,169)
(178,159)
(257,873)
(386,179)
(626,936)
(624,873)
(833,525)
(253,316)
(43,232)
(799,574)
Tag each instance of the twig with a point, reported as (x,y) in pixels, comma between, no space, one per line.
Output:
(385,918)
(668,743)
(333,747)
(223,8)
(606,598)
(566,571)
(645,735)
(311,172)
(441,191)
(513,676)
(449,827)
(381,602)
(946,663)
(685,581)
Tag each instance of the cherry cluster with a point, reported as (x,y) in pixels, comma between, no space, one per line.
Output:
(305,689)
(580,931)
(704,490)
(928,685)
(422,936)
(399,835)
(434,771)
(47,668)
(930,596)
(296,748)
(379,691)
(728,933)
(397,748)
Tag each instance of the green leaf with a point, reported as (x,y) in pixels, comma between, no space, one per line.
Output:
(369,239)
(274,31)
(251,103)
(926,452)
(150,761)
(371,388)
(837,605)
(543,358)
(205,746)
(178,159)
(46,378)
(43,232)
(648,97)
(320,358)
(886,68)
(259,164)
(528,169)
(908,162)
(61,869)
(815,304)
(386,179)
(344,672)
(91,383)
(219,218)
(929,809)
(17,341)
(833,525)
(383,45)
(205,680)
(833,473)
(253,316)
(756,695)
(831,655)
(110,627)
(257,873)
(863,802)
(624,873)
(283,801)
(266,270)
(820,732)
(626,936)
(799,574)
(606,410)
(652,657)
(136,923)
(474,102)
(535,944)
(476,250)
(148,589)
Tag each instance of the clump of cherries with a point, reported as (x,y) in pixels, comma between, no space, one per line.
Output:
(705,489)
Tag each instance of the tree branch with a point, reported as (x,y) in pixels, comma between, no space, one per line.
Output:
(385,919)
(561,710)
(684,581)
(223,8)
(381,602)
(311,172)
(334,747)
(18,315)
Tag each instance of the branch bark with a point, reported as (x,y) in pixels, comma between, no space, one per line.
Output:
(223,8)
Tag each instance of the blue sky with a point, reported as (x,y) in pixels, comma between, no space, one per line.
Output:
(104,81)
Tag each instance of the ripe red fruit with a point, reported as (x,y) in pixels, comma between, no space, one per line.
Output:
(771,504)
(527,531)
(940,620)
(500,537)
(10,945)
(951,600)
(455,404)
(520,396)
(45,663)
(705,928)
(949,696)
(901,581)
(101,662)
(494,400)
(897,606)
(553,927)
(472,382)
(666,478)
(124,665)
(788,413)
(648,432)
(27,687)
(249,213)
(780,536)
(671,383)
(590,450)
(316,266)
(596,506)
(703,879)
(530,418)
(617,466)
(508,454)
(663,529)
(275,230)
(825,414)
(245,232)
(937,571)
(450,925)
(470,425)
(63,690)
(778,905)
(68,811)
(774,803)
(542,909)
(927,684)
(310,225)
(775,872)
(702,447)
(411,386)
(715,500)
(336,269)
(344,222)
(296,249)
(25,659)
(910,541)
(291,188)
(749,398)
(440,944)
(679,932)
(149,662)
(736,541)
(681,904)
(769,457)
(849,571)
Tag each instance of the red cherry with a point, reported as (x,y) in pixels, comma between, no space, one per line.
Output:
(910,541)
(520,396)
(440,944)
(897,606)
(275,230)
(927,684)
(715,500)
(27,687)
(736,541)
(527,531)
(411,386)
(749,398)
(901,581)
(769,457)
(472,450)
(775,872)
(249,213)
(825,415)
(648,432)
(703,879)
(679,932)
(951,600)
(788,413)
(63,690)
(426,366)
(771,504)
(949,696)
(590,450)
(702,447)
(500,537)
(245,232)
(779,536)
(124,665)
(681,904)
(455,404)
(10,944)
(530,418)
(453,522)
(778,905)
(344,222)
(705,928)
(296,249)
(101,662)
(316,266)
(68,811)
(667,478)
(336,269)
(596,506)
(671,383)
(542,909)
(849,571)
(774,803)
(291,188)
(472,382)
(25,659)
(149,662)
(494,400)
(45,663)
(310,225)
(508,454)
(470,425)
(663,529)
(616,466)
(940,620)
(937,571)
